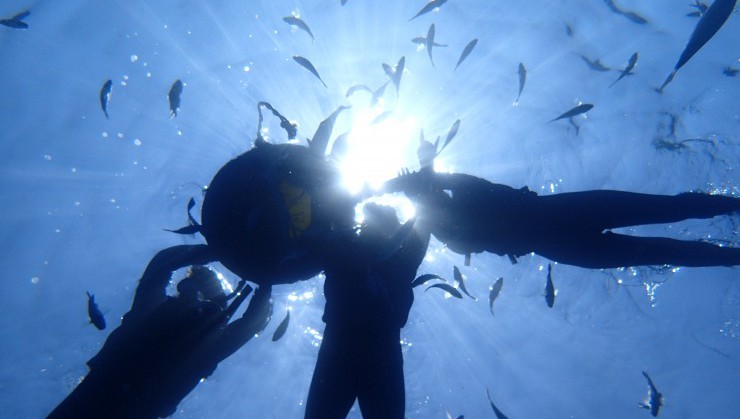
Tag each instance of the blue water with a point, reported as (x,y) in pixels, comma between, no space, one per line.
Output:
(85,199)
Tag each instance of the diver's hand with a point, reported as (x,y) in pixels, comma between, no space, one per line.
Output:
(413,184)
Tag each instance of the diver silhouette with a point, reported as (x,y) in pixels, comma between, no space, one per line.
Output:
(570,228)
(166,345)
(368,298)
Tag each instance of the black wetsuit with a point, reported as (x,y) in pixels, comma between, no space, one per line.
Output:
(572,228)
(367,304)
(162,349)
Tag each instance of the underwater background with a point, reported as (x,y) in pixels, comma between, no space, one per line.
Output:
(85,199)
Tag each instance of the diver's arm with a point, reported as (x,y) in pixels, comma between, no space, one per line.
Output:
(252,322)
(151,290)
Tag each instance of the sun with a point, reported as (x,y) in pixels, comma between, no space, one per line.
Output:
(379,145)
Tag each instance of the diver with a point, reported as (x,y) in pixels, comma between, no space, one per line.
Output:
(166,345)
(570,228)
(368,298)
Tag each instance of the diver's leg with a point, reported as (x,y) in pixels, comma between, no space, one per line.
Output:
(381,390)
(612,209)
(332,392)
(611,250)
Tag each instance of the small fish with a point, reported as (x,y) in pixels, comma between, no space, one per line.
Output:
(495,290)
(296,21)
(259,309)
(320,140)
(426,153)
(569,30)
(282,328)
(448,288)
(594,65)
(583,108)
(708,25)
(358,87)
(308,66)
(627,70)
(499,414)
(193,226)
(174,97)
(730,72)
(422,40)
(422,279)
(430,42)
(339,147)
(16,22)
(700,7)
(466,51)
(522,80)
(654,397)
(634,17)
(396,72)
(459,278)
(433,4)
(344,2)
(382,117)
(96,316)
(450,135)
(549,288)
(376,95)
(629,15)
(105,92)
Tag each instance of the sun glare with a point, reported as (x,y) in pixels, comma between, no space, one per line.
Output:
(378,147)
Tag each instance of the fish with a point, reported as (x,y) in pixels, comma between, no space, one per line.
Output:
(282,328)
(16,22)
(320,140)
(395,243)
(357,87)
(708,25)
(105,92)
(594,65)
(422,40)
(634,17)
(422,279)
(344,2)
(569,30)
(583,108)
(654,397)
(448,288)
(396,72)
(426,153)
(499,414)
(339,147)
(459,278)
(296,21)
(700,7)
(376,94)
(730,72)
(303,62)
(465,52)
(174,97)
(433,4)
(495,290)
(382,117)
(96,316)
(430,42)
(522,80)
(450,135)
(549,288)
(193,226)
(259,309)
(627,70)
